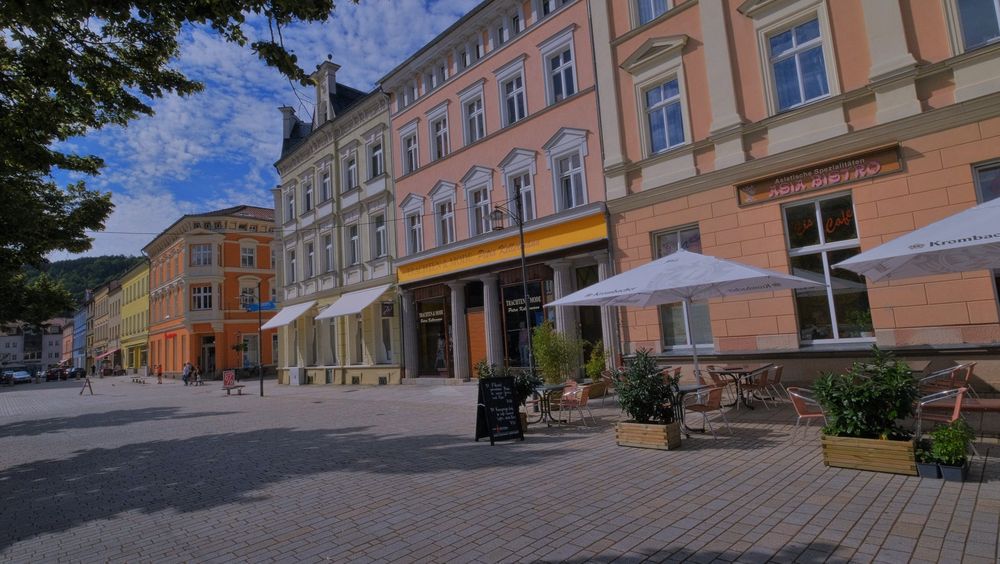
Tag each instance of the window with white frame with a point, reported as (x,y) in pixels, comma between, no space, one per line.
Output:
(987,180)
(521,183)
(502,34)
(350,167)
(201,254)
(290,205)
(310,260)
(411,159)
(570,176)
(445,212)
(439,137)
(307,196)
(674,318)
(411,92)
(978,21)
(798,65)
(201,297)
(353,244)
(475,120)
(663,116)
(648,10)
(821,233)
(328,253)
(248,294)
(248,257)
(414,233)
(380,247)
(548,6)
(290,265)
(376,159)
(562,75)
(463,58)
(325,192)
(479,210)
(513,100)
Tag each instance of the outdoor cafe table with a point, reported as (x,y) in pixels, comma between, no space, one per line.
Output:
(738,373)
(542,401)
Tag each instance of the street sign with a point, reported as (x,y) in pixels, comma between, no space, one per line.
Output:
(263,306)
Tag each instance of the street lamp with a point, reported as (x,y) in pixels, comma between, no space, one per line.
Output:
(260,340)
(517,216)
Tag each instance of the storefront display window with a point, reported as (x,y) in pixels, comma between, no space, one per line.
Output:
(672,323)
(432,335)
(821,233)
(516,333)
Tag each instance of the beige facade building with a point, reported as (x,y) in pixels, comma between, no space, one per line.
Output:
(338,322)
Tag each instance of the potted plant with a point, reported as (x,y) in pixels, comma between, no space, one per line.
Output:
(927,466)
(557,356)
(647,399)
(861,321)
(863,408)
(524,383)
(596,365)
(950,449)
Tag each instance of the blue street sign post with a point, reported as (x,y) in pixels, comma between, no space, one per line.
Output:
(263,306)
(259,307)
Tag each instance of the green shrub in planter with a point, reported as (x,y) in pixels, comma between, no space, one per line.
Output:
(927,467)
(950,447)
(869,400)
(557,356)
(642,392)
(597,362)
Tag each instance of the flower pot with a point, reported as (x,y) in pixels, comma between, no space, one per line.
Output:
(648,435)
(928,470)
(874,455)
(955,473)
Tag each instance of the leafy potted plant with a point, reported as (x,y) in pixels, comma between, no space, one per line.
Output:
(596,365)
(647,399)
(950,448)
(557,356)
(927,466)
(863,408)
(861,321)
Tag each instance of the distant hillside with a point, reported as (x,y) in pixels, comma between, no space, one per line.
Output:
(77,275)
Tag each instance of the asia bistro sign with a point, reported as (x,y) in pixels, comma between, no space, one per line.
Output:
(863,166)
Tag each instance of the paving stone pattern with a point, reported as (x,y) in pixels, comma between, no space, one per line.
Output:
(149,473)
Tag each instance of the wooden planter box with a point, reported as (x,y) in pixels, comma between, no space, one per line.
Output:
(875,455)
(648,435)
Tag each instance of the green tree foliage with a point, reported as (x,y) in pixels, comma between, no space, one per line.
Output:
(69,67)
(557,356)
(81,274)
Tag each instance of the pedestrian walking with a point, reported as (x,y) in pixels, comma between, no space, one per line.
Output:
(196,374)
(159,373)
(186,373)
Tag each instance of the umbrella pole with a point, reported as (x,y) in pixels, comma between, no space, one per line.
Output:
(694,346)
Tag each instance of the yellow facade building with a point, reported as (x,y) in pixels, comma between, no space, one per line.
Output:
(135,318)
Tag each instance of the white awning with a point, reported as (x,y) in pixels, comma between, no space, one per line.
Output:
(288,315)
(353,302)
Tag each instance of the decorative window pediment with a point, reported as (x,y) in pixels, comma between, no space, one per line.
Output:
(567,138)
(443,190)
(654,51)
(412,202)
(477,175)
(518,159)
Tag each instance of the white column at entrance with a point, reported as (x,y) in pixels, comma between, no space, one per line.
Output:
(459,333)
(609,315)
(494,325)
(562,281)
(411,359)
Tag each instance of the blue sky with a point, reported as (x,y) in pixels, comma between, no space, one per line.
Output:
(217,148)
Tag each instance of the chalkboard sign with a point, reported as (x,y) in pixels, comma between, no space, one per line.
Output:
(496,413)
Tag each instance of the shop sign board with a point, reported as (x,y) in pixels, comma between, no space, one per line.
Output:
(853,168)
(388,309)
(432,316)
(497,412)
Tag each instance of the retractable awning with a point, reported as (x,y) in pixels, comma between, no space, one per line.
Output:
(104,354)
(353,302)
(288,315)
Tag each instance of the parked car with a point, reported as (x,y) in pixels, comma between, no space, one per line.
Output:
(55,373)
(20,376)
(77,373)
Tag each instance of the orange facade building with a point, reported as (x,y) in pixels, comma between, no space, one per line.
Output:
(204,269)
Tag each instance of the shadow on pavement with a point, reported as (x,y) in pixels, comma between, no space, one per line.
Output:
(105,419)
(206,471)
(813,553)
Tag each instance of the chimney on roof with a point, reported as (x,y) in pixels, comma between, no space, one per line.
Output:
(288,121)
(325,78)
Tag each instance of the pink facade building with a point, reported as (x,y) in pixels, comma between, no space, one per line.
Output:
(501,105)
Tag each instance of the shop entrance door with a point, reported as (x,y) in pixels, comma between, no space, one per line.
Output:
(207,364)
(433,339)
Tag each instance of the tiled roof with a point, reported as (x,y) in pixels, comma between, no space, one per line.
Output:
(339,103)
(252,212)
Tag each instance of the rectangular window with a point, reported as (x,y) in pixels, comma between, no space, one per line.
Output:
(290,266)
(414,234)
(463,58)
(410,159)
(439,131)
(570,182)
(248,295)
(475,121)
(479,212)
(353,245)
(328,253)
(380,247)
(248,257)
(201,254)
(796,57)
(821,233)
(290,205)
(386,337)
(522,182)
(446,222)
(274,347)
(324,187)
(515,24)
(310,260)
(548,6)
(663,114)
(350,172)
(376,164)
(513,100)
(674,317)
(649,10)
(980,22)
(201,297)
(307,197)
(561,75)
(987,179)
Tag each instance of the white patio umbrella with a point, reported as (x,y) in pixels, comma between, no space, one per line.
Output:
(682,277)
(968,240)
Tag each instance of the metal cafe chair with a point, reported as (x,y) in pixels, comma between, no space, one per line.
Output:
(806,407)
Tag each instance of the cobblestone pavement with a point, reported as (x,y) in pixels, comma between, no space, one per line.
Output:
(148,473)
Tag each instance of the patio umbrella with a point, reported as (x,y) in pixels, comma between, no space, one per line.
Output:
(685,277)
(968,240)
